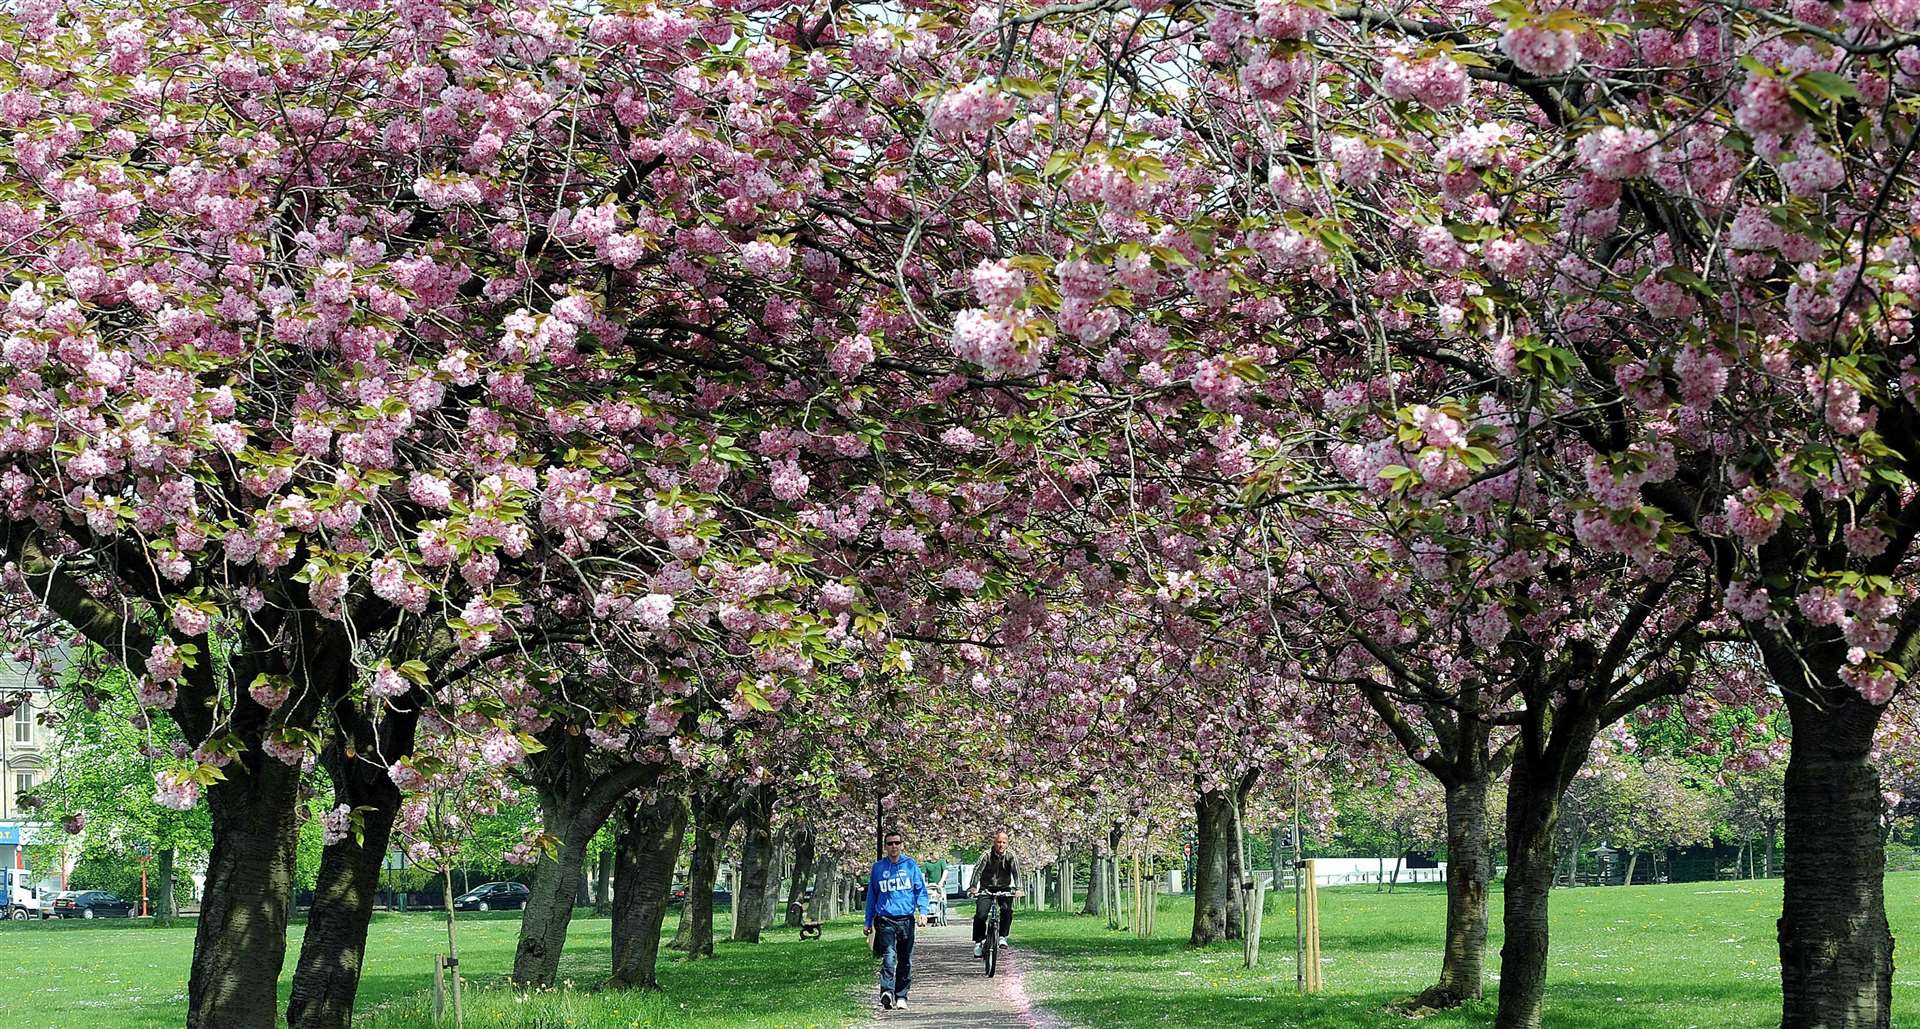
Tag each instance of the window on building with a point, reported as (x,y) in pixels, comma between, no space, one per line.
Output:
(23,724)
(22,783)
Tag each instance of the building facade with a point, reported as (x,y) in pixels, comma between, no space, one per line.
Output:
(25,761)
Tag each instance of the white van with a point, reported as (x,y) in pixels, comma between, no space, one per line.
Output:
(20,898)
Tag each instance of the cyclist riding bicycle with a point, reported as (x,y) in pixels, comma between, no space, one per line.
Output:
(996,873)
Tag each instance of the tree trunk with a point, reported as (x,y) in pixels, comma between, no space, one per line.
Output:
(776,879)
(1276,840)
(1633,862)
(1469,870)
(1836,953)
(583,889)
(1766,866)
(756,857)
(1096,886)
(326,978)
(646,849)
(603,883)
(802,871)
(826,875)
(163,890)
(556,882)
(711,822)
(576,799)
(1398,860)
(240,943)
(1533,809)
(1216,893)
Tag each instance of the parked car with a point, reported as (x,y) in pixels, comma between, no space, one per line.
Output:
(50,903)
(493,897)
(92,904)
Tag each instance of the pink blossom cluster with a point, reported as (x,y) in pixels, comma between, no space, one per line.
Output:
(1357,160)
(270,691)
(1614,152)
(851,355)
(387,682)
(1748,601)
(1216,384)
(970,111)
(1272,78)
(288,751)
(336,824)
(1001,341)
(1541,51)
(1435,83)
(1751,517)
(1285,19)
(1489,625)
(175,790)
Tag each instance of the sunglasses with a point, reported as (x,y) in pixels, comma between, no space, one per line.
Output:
(893,843)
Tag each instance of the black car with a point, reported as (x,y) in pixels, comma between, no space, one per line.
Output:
(492,897)
(92,904)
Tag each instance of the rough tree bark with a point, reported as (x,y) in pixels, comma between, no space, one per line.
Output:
(777,870)
(826,874)
(326,977)
(163,888)
(1469,870)
(240,942)
(576,799)
(645,851)
(713,818)
(802,870)
(1459,755)
(1538,783)
(1096,903)
(1216,889)
(1836,951)
(603,883)
(756,859)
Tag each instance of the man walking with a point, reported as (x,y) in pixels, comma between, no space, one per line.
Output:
(996,873)
(896,902)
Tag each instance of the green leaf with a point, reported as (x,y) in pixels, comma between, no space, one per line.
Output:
(1827,84)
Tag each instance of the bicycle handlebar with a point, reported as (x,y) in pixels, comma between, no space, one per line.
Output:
(994,893)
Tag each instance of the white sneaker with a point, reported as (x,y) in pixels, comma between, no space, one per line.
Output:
(1003,941)
(886,999)
(980,948)
(900,1004)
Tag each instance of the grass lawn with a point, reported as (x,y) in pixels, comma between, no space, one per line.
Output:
(1688,956)
(126,975)
(1696,955)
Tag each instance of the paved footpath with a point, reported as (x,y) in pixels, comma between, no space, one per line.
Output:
(951,989)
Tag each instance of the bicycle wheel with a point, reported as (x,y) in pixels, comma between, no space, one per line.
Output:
(992,954)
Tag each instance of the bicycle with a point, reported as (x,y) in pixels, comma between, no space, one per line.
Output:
(990,952)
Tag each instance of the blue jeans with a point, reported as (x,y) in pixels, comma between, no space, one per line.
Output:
(895,933)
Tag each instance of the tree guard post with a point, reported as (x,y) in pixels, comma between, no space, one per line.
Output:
(1313,983)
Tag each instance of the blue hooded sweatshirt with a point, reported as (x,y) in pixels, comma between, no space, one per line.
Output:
(896,888)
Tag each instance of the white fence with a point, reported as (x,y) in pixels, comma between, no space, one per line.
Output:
(1345,871)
